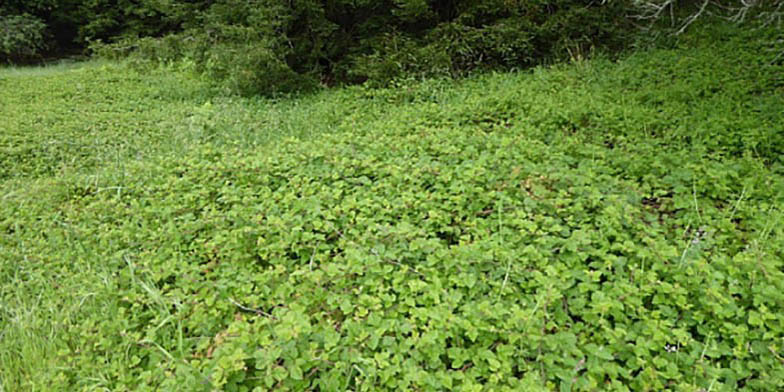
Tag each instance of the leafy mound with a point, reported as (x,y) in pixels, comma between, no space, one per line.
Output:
(578,228)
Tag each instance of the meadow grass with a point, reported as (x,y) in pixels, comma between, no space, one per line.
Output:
(596,225)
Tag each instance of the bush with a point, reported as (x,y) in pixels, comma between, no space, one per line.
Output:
(266,46)
(239,45)
(262,46)
(22,38)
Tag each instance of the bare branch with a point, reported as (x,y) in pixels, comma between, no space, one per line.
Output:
(767,12)
(258,312)
(693,17)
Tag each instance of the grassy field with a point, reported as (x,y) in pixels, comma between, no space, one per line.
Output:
(593,226)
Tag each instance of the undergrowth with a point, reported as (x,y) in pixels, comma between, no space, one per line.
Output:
(594,226)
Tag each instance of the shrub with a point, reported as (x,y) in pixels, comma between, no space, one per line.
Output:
(263,46)
(22,38)
(395,55)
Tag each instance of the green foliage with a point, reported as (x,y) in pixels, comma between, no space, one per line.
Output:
(73,24)
(266,47)
(246,47)
(527,231)
(125,113)
(104,19)
(22,38)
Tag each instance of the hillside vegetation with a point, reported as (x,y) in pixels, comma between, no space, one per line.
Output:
(602,225)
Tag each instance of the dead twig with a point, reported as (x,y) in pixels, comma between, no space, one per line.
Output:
(257,312)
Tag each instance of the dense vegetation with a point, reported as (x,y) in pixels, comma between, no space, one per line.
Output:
(338,38)
(594,226)
(273,46)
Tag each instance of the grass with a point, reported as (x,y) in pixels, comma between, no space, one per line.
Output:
(597,225)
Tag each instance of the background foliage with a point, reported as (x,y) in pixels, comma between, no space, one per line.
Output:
(273,46)
(265,46)
(22,38)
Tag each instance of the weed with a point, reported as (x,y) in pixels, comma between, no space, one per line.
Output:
(526,231)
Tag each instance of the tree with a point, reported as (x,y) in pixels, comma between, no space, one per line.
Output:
(681,14)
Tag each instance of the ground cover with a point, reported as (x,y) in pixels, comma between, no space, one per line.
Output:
(592,226)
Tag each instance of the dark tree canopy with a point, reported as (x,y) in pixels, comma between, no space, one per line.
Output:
(264,46)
